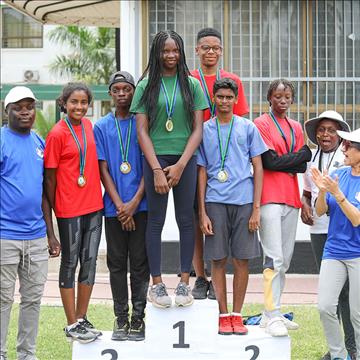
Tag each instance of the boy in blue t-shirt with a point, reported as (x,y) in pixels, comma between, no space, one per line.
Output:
(229,192)
(25,220)
(120,162)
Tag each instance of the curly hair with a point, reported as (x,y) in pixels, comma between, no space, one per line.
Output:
(68,90)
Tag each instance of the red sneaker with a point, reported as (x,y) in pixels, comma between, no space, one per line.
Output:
(238,326)
(225,325)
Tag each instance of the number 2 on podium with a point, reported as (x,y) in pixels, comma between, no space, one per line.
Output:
(181,344)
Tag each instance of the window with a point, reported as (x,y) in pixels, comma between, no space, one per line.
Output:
(315,44)
(20,31)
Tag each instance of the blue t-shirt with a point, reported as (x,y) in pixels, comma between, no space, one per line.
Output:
(21,186)
(343,240)
(108,149)
(245,143)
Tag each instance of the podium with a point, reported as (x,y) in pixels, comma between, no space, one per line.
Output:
(187,333)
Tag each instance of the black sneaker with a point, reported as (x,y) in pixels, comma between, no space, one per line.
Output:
(200,288)
(137,329)
(211,294)
(79,333)
(121,329)
(89,326)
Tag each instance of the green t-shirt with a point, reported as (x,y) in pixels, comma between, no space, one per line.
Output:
(174,142)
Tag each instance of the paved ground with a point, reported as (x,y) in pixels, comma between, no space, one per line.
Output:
(299,289)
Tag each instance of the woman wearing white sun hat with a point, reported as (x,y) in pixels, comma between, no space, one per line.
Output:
(339,194)
(327,155)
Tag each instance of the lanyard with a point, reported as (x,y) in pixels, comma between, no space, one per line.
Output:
(223,153)
(82,154)
(206,90)
(330,159)
(124,150)
(170,103)
(280,130)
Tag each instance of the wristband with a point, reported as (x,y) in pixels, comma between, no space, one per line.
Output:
(157,169)
(342,200)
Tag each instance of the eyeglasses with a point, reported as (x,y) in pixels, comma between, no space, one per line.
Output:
(350,144)
(321,130)
(207,48)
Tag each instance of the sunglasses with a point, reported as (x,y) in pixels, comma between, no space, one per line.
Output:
(350,144)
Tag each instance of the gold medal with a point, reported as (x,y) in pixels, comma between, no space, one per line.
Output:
(125,167)
(169,125)
(222,176)
(81,181)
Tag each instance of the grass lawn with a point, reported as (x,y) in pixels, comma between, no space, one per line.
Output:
(307,343)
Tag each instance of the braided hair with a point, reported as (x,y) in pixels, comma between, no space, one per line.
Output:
(154,70)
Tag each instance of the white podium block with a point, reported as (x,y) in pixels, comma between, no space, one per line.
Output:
(187,333)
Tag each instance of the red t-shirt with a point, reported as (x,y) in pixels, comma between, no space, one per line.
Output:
(279,187)
(61,153)
(241,108)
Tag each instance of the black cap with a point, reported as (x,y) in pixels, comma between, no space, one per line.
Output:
(121,76)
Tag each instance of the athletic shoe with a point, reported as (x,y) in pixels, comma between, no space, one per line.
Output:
(200,288)
(183,295)
(351,355)
(276,327)
(89,326)
(121,329)
(290,325)
(211,294)
(137,329)
(159,296)
(26,357)
(3,357)
(79,333)
(327,356)
(225,325)
(238,325)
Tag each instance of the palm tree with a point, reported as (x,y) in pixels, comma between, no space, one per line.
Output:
(44,121)
(92,56)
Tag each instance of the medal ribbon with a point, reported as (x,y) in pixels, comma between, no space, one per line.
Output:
(124,151)
(82,154)
(223,154)
(170,103)
(280,130)
(206,90)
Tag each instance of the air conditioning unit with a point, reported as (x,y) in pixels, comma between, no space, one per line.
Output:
(31,75)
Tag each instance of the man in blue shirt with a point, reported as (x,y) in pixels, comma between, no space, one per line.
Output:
(25,219)
(125,208)
(229,191)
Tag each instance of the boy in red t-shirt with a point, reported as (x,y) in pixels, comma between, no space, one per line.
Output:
(209,50)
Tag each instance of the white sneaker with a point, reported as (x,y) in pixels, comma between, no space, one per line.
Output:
(159,296)
(276,327)
(290,325)
(183,295)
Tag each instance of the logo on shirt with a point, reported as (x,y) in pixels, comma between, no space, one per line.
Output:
(241,139)
(357,196)
(40,152)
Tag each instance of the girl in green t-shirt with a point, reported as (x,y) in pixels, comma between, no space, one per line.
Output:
(168,104)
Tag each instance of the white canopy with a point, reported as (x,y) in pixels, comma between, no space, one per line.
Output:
(104,13)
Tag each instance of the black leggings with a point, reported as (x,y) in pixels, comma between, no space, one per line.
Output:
(79,238)
(184,194)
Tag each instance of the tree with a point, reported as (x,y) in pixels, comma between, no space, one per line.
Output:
(44,121)
(92,56)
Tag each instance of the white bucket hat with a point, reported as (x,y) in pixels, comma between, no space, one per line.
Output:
(18,93)
(353,136)
(312,124)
